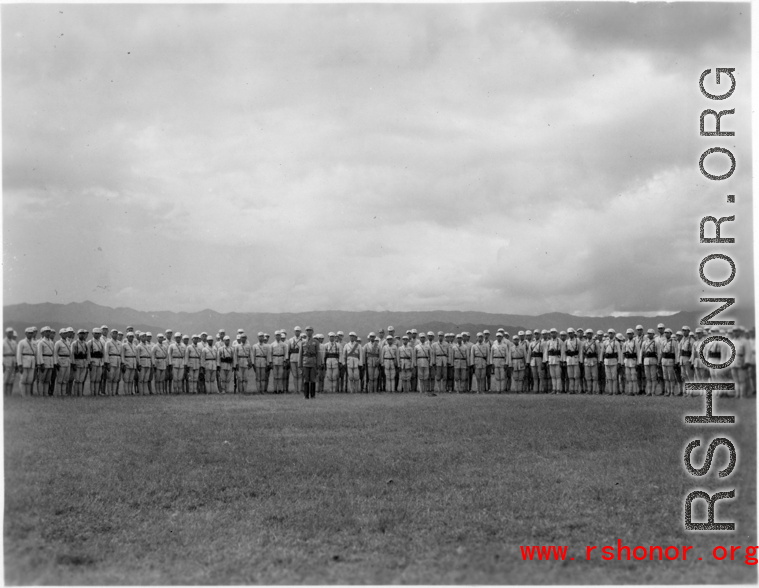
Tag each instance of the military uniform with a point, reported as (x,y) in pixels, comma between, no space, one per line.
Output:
(128,365)
(479,358)
(62,361)
(45,364)
(405,364)
(612,352)
(244,361)
(293,358)
(553,354)
(309,360)
(80,364)
(460,361)
(389,355)
(669,356)
(571,359)
(353,358)
(160,359)
(441,352)
(96,358)
(209,361)
(590,351)
(630,353)
(112,365)
(227,363)
(422,364)
(192,365)
(10,348)
(372,362)
(176,365)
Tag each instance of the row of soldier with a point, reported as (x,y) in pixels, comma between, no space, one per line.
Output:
(573,361)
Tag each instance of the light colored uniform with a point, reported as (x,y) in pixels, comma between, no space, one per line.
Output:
(589,354)
(80,362)
(460,361)
(45,353)
(389,355)
(372,362)
(479,357)
(209,360)
(113,361)
(96,354)
(226,359)
(441,353)
(500,354)
(192,365)
(293,356)
(61,358)
(612,351)
(129,363)
(145,362)
(10,348)
(261,363)
(243,361)
(278,359)
(353,359)
(176,361)
(405,364)
(422,361)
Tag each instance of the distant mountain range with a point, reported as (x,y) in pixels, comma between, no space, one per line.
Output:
(88,315)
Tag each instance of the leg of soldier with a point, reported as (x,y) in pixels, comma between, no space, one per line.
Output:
(61,380)
(390,376)
(535,377)
(372,374)
(263,380)
(80,379)
(9,377)
(160,379)
(479,374)
(611,380)
(499,374)
(650,375)
(243,379)
(96,373)
(43,381)
(397,379)
(677,382)
(297,377)
(589,380)
(580,380)
(127,377)
(457,376)
(687,377)
(354,379)
(574,378)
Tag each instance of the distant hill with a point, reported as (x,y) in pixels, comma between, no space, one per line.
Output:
(88,314)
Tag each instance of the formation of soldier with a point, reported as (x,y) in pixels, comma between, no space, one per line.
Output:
(575,361)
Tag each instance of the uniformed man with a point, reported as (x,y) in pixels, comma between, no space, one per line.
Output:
(439,355)
(640,336)
(308,363)
(500,356)
(552,354)
(243,361)
(278,359)
(686,355)
(209,361)
(26,361)
(10,351)
(405,362)
(128,363)
(479,359)
(175,364)
(648,355)
(262,362)
(45,361)
(331,363)
(352,358)
(381,385)
(371,363)
(286,375)
(226,367)
(144,362)
(112,363)
(669,356)
(612,351)
(572,361)
(80,362)
(321,370)
(535,351)
(422,363)
(159,355)
(389,356)
(518,364)
(192,363)
(717,353)
(293,353)
(507,340)
(96,359)
(460,361)
(62,361)
(589,354)
(184,344)
(630,353)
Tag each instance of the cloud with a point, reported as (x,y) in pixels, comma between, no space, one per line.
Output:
(526,157)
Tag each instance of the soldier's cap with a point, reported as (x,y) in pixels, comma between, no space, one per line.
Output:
(553,330)
(160,336)
(358,339)
(304,337)
(528,333)
(320,336)
(309,328)
(639,327)
(543,332)
(405,337)
(331,334)
(266,335)
(226,338)
(95,331)
(15,334)
(679,333)
(29,330)
(660,326)
(372,335)
(222,331)
(297,329)
(9,330)
(520,333)
(422,334)
(408,331)
(651,332)
(149,334)
(389,338)
(501,330)
(480,335)
(196,336)
(104,327)
(686,328)
(352,334)
(515,337)
(130,328)
(466,333)
(499,334)
(186,337)
(581,331)
(172,330)
(486,332)
(120,333)
(243,336)
(43,330)
(668,330)
(430,333)
(260,334)
(414,331)
(611,331)
(506,333)
(60,331)
(341,333)
(441,333)
(130,334)
(570,330)
(699,330)
(390,329)
(599,332)
(630,331)
(177,334)
(114,331)
(240,330)
(204,333)
(620,337)
(562,332)
(34,329)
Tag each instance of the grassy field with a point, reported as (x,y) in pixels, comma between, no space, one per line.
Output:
(362,489)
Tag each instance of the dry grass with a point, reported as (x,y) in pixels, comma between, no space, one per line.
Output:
(359,489)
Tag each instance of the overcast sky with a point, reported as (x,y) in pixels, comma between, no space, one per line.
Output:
(521,158)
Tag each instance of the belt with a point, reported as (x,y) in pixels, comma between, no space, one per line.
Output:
(668,356)
(32,354)
(649,354)
(274,354)
(570,353)
(630,354)
(80,356)
(9,355)
(591,355)
(332,356)
(554,352)
(610,355)
(372,354)
(226,360)
(96,354)
(116,354)
(293,352)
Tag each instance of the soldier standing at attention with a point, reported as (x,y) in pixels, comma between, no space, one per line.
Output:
(144,361)
(278,359)
(413,341)
(128,363)
(500,356)
(176,363)
(489,369)
(45,364)
(518,364)
(62,361)
(535,348)
(422,363)
(293,355)
(159,357)
(332,363)
(479,359)
(261,363)
(390,362)
(243,351)
(630,352)
(371,361)
(553,353)
(81,362)
(572,361)
(686,365)
(210,367)
(112,365)
(352,359)
(226,358)
(405,361)
(10,349)
(192,364)
(648,355)
(26,361)
(309,359)
(185,386)
(439,361)
(96,356)
(509,369)
(321,370)
(668,357)
(612,351)
(286,368)
(589,353)
(169,376)
(460,361)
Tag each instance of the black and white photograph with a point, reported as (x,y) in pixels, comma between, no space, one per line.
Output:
(378,293)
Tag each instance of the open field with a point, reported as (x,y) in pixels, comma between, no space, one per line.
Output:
(362,489)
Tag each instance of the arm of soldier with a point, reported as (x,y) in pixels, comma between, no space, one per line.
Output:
(620,353)
(268,356)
